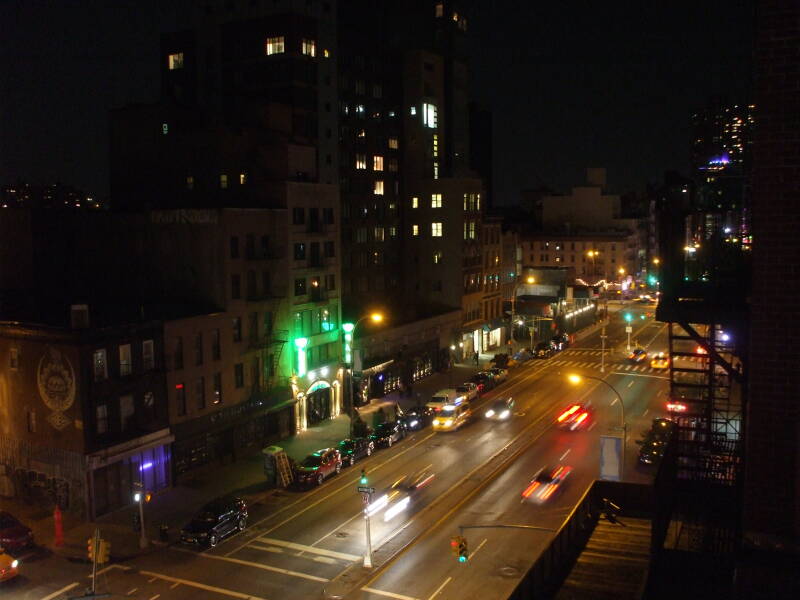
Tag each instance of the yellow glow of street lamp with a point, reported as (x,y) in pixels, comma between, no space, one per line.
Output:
(376,317)
(656,261)
(621,271)
(592,253)
(531,279)
(575,379)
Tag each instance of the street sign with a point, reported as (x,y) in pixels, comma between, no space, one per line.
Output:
(365,497)
(366,490)
(628,329)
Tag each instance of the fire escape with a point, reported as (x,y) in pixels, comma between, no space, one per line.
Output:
(704,288)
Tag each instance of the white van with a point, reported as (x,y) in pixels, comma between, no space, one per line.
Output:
(443,397)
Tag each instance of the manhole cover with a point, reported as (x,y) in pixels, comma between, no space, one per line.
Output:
(341,534)
(509,572)
(520,414)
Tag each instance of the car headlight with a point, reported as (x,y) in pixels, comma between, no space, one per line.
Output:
(436,421)
(413,423)
(448,422)
(14,564)
(490,413)
(504,414)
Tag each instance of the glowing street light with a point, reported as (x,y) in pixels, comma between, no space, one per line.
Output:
(656,261)
(529,279)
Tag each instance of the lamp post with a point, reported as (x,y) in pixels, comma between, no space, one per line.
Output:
(593,254)
(349,342)
(139,497)
(577,379)
(530,279)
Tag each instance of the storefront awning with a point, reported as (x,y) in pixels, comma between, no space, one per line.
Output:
(126,449)
(377,368)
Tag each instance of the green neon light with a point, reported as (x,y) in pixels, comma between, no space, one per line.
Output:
(348,327)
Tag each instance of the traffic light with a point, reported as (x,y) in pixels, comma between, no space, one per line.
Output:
(455,542)
(363,477)
(90,548)
(103,552)
(628,317)
(463,551)
(642,317)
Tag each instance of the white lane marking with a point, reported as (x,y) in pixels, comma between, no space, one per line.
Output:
(63,590)
(338,527)
(563,456)
(324,559)
(638,375)
(248,563)
(132,591)
(202,586)
(660,393)
(156,597)
(613,402)
(311,549)
(152,579)
(646,410)
(592,426)
(266,548)
(439,589)
(630,384)
(474,552)
(174,585)
(387,594)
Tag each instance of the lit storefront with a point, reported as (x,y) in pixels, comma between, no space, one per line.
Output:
(321,400)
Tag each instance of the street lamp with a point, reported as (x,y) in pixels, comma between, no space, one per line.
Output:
(577,380)
(349,341)
(530,279)
(593,254)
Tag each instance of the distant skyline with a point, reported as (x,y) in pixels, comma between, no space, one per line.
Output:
(570,86)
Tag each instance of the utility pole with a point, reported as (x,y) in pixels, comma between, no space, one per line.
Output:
(139,497)
(366,495)
(603,337)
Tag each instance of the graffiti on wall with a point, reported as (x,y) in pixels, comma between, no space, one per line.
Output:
(56,381)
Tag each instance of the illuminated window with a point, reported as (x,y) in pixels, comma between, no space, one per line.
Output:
(415,202)
(437,258)
(379,234)
(378,188)
(326,53)
(477,201)
(435,170)
(189,182)
(436,201)
(466,204)
(274,45)
(242,178)
(360,87)
(361,133)
(429,115)
(472,230)
(309,47)
(361,161)
(439,10)
(392,232)
(360,109)
(377,163)
(223,181)
(175,61)
(413,111)
(415,230)
(465,230)
(436,230)
(393,144)
(165,128)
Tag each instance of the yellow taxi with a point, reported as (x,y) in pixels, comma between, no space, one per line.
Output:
(660,361)
(9,566)
(452,416)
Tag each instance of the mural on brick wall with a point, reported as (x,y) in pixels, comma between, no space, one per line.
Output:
(56,380)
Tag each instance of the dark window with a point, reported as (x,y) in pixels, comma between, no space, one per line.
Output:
(330,281)
(215,349)
(252,292)
(327,216)
(298,215)
(300,251)
(299,286)
(101,418)
(265,283)
(313,216)
(254,328)
(178,357)
(329,248)
(234,247)
(250,246)
(200,393)
(264,246)
(180,399)
(238,370)
(237,329)
(236,287)
(217,388)
(198,349)
(149,405)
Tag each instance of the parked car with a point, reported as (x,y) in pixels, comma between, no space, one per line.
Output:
(484,381)
(560,341)
(468,390)
(523,355)
(9,566)
(499,374)
(417,418)
(442,397)
(317,466)
(14,536)
(543,350)
(351,449)
(215,521)
(388,433)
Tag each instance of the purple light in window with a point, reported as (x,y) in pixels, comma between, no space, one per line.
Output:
(145,466)
(380,377)
(722,159)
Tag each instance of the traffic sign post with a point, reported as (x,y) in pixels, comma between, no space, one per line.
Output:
(603,337)
(366,490)
(366,494)
(628,330)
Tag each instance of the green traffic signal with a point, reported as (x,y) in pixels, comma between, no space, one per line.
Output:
(628,317)
(363,477)
(642,317)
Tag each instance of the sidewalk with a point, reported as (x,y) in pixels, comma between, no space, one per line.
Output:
(244,477)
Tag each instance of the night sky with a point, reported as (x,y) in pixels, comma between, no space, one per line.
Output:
(570,84)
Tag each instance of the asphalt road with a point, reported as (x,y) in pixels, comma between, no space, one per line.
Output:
(299,543)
